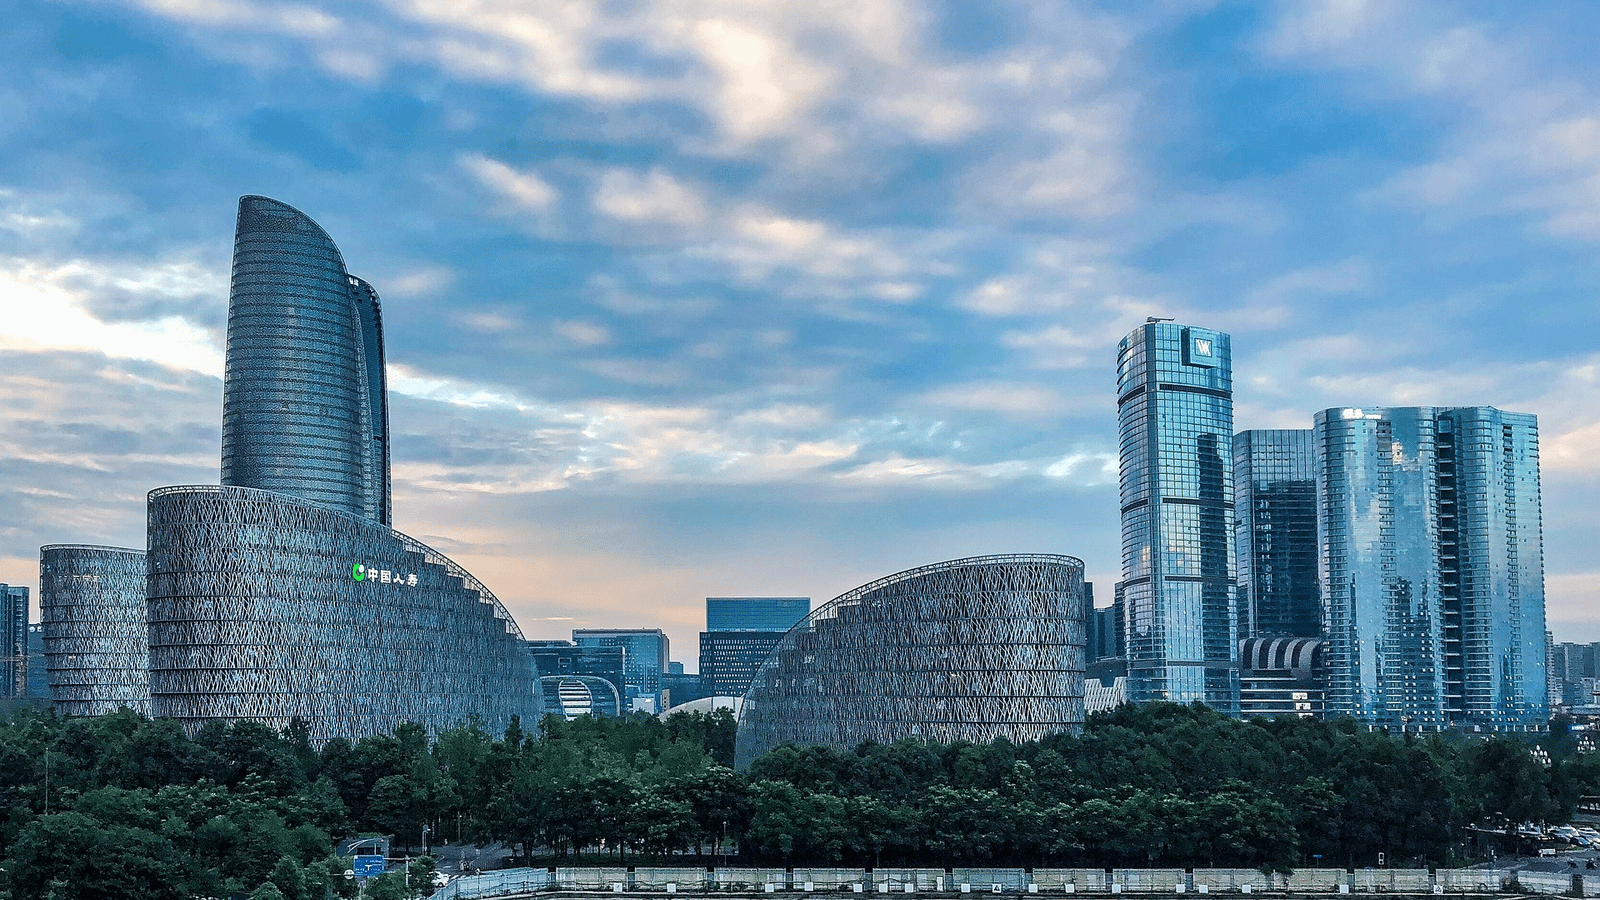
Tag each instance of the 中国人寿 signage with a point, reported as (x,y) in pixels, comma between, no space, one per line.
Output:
(364,573)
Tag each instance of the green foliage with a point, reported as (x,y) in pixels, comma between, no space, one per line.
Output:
(138,809)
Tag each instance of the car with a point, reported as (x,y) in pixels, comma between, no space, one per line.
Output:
(440,879)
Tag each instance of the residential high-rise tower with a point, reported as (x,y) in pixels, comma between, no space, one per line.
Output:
(13,641)
(1432,566)
(1175,418)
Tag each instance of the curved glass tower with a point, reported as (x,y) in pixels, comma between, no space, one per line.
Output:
(303,409)
(973,649)
(1432,563)
(92,609)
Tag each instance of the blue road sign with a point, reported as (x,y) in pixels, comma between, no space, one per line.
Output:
(367,866)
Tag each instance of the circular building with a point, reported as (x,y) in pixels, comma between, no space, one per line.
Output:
(972,649)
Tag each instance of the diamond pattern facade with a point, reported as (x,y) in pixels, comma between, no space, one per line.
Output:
(265,607)
(92,609)
(972,649)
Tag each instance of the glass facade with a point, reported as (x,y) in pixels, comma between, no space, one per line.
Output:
(1176,597)
(645,655)
(304,409)
(1432,566)
(38,675)
(1495,652)
(729,659)
(740,632)
(972,649)
(92,618)
(1275,533)
(13,640)
(755,613)
(267,607)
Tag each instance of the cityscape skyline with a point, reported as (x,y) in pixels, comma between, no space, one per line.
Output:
(653,340)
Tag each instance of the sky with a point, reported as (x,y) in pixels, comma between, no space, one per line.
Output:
(689,299)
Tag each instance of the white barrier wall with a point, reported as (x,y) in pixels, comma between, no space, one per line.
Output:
(974,881)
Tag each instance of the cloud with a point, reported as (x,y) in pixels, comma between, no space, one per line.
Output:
(525,190)
(1020,400)
(1522,137)
(653,198)
(129,311)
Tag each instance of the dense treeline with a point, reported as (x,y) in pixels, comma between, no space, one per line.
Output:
(134,808)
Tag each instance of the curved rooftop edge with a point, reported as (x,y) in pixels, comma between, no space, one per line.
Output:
(268,607)
(260,202)
(102,548)
(432,555)
(972,649)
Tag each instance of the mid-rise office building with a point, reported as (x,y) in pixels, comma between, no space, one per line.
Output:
(1281,676)
(1275,533)
(740,632)
(1573,669)
(38,675)
(1432,567)
(1175,419)
(13,640)
(755,613)
(645,657)
(580,680)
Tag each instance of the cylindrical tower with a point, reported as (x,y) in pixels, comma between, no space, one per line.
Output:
(96,646)
(297,407)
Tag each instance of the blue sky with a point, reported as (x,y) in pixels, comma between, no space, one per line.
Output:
(697,298)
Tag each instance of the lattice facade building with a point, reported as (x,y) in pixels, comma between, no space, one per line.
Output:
(973,649)
(92,617)
(283,593)
(265,607)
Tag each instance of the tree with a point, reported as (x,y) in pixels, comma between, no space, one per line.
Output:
(289,878)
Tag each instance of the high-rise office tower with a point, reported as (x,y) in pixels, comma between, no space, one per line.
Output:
(1432,566)
(1175,418)
(1275,533)
(13,641)
(740,632)
(305,402)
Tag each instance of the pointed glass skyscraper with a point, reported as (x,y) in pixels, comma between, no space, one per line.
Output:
(1176,598)
(304,408)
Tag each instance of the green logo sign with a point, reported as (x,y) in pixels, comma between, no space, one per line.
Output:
(358,572)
